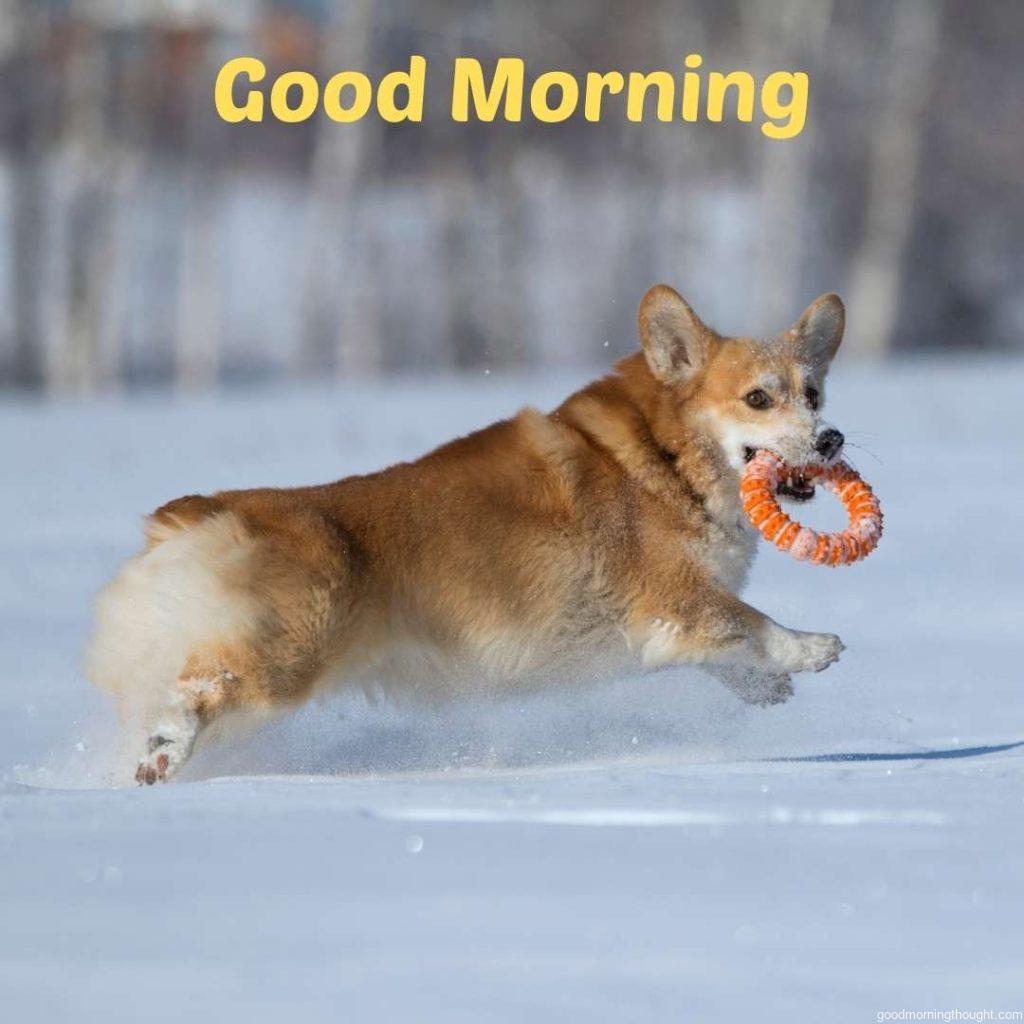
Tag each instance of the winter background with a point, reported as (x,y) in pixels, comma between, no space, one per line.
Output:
(187,306)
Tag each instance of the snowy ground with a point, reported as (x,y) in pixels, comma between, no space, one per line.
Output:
(633,852)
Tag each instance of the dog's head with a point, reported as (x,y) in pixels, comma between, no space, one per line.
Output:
(748,394)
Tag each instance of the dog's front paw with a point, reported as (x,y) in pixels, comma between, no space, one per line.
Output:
(770,690)
(793,651)
(759,688)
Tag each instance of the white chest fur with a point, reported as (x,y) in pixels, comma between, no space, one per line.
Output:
(729,542)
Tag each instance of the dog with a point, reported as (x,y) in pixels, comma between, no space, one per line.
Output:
(608,532)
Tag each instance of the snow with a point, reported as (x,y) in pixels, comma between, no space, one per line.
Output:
(650,849)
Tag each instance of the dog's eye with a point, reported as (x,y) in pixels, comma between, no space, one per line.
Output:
(813,397)
(758,399)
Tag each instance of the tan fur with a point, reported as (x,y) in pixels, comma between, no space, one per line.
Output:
(607,530)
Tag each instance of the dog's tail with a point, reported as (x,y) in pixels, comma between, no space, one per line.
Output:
(171,599)
(179,515)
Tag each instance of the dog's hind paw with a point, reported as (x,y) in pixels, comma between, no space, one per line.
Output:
(166,752)
(153,769)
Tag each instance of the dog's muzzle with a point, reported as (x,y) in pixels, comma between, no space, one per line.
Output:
(829,443)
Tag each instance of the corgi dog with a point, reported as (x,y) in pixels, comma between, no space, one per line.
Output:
(549,546)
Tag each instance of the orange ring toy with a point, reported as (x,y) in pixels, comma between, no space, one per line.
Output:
(761,479)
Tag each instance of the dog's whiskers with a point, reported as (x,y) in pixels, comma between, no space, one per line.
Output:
(865,449)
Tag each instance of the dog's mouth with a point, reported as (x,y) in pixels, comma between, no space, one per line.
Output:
(796,486)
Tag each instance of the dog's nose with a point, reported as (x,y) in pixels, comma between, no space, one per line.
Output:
(829,442)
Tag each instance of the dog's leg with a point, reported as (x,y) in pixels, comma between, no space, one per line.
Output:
(210,682)
(200,695)
(215,680)
(713,627)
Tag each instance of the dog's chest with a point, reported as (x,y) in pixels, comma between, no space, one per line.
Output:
(728,543)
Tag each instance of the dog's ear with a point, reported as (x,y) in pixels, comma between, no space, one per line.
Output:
(674,340)
(819,330)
